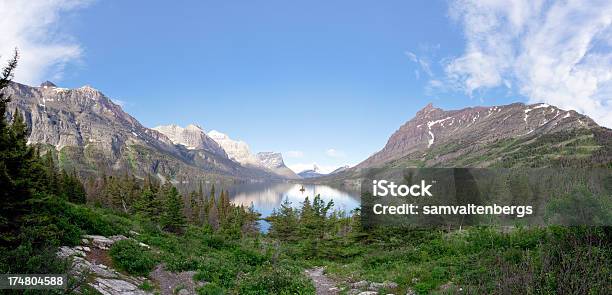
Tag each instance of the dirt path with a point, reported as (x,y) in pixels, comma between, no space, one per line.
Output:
(323,284)
(171,283)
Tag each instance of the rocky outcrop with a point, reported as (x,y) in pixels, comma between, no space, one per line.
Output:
(89,260)
(367,288)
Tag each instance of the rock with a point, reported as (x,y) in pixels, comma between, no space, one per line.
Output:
(105,280)
(80,266)
(183,292)
(144,245)
(409,291)
(353,292)
(101,242)
(360,284)
(117,238)
(85,241)
(116,287)
(133,233)
(65,252)
(384,285)
(83,248)
(368,293)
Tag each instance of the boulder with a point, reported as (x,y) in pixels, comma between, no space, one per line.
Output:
(115,286)
(360,285)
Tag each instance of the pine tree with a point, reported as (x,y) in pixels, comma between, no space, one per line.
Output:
(173,219)
(144,205)
(213,212)
(284,222)
(53,181)
(194,207)
(72,189)
(224,207)
(15,165)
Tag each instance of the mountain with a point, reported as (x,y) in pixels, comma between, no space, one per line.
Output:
(311,173)
(274,162)
(340,169)
(93,135)
(236,150)
(537,135)
(192,137)
(239,151)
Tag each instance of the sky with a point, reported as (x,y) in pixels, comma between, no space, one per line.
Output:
(323,82)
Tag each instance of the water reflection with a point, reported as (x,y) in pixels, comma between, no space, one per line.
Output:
(265,197)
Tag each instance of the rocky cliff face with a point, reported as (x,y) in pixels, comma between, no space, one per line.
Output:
(239,151)
(274,162)
(92,134)
(485,136)
(192,137)
(236,150)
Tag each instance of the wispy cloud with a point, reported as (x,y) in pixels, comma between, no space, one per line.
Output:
(33,27)
(335,153)
(422,62)
(557,52)
(294,154)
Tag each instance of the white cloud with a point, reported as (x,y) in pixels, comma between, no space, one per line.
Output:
(294,154)
(422,62)
(33,27)
(335,153)
(558,52)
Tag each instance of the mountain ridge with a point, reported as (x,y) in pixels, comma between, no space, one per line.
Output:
(89,133)
(433,128)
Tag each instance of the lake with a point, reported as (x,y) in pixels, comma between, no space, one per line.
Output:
(266,197)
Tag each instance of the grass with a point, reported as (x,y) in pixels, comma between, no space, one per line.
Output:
(483,260)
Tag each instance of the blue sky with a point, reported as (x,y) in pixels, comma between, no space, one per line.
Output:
(323,82)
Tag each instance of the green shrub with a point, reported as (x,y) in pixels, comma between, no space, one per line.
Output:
(248,257)
(217,270)
(181,262)
(210,289)
(275,280)
(217,242)
(127,255)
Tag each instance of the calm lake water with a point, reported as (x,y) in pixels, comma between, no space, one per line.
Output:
(266,197)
